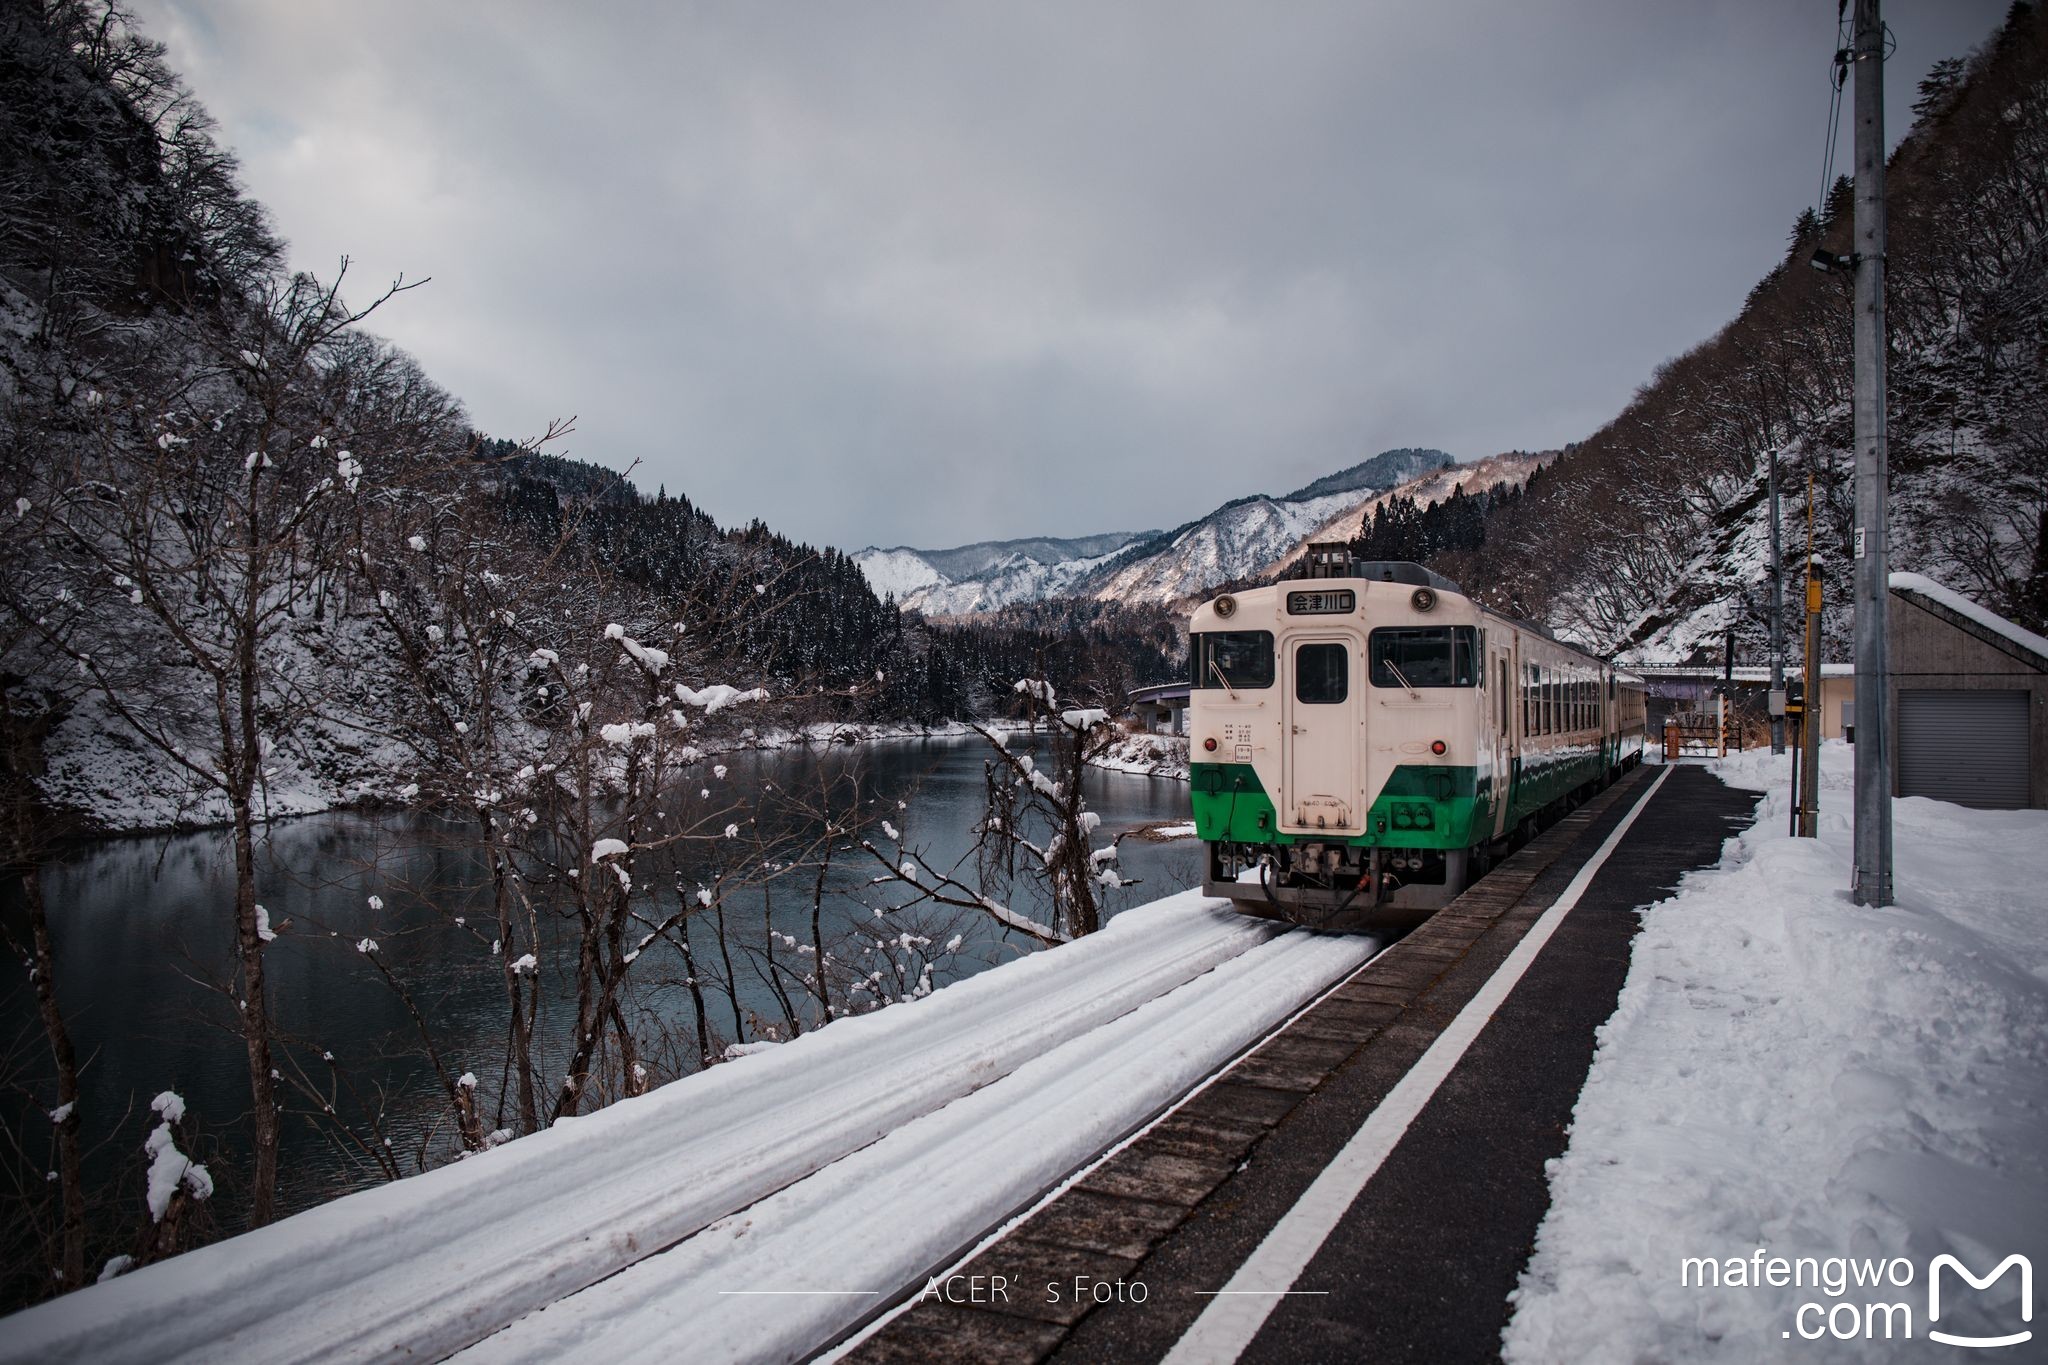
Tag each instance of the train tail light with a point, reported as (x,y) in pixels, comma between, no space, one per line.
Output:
(1210,744)
(1439,747)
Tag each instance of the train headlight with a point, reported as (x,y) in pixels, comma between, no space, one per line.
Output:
(1422,599)
(1225,605)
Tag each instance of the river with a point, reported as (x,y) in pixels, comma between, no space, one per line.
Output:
(141,924)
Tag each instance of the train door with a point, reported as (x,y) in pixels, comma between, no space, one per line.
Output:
(1323,738)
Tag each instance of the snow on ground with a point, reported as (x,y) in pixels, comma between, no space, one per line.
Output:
(1148,754)
(1790,1075)
(424,1266)
(895,1212)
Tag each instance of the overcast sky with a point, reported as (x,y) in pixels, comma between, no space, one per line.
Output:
(927,273)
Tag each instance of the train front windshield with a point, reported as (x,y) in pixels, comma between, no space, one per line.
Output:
(1232,658)
(1425,656)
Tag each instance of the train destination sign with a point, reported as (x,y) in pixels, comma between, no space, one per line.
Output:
(1321,603)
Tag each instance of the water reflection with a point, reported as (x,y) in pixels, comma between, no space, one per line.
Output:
(142,930)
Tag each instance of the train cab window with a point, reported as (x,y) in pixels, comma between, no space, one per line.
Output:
(1322,673)
(1232,658)
(1425,656)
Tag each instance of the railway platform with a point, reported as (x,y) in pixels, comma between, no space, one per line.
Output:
(1367,1181)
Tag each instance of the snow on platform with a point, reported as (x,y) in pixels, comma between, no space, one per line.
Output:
(1791,1072)
(864,1152)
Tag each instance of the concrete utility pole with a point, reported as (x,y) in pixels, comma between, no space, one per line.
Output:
(1873,881)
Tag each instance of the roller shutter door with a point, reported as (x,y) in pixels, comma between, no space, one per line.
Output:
(1968,747)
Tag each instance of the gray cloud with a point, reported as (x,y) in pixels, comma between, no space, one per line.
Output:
(924,273)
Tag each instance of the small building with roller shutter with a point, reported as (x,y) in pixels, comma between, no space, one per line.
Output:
(1968,693)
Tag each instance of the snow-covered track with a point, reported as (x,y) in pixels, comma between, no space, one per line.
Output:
(867,1226)
(424,1267)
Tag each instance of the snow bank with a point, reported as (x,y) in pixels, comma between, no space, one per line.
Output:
(1788,1071)
(424,1266)
(1147,754)
(896,1210)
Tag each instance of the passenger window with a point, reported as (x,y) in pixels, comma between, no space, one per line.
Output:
(1322,673)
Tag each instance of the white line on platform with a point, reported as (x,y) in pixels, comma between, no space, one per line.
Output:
(1227,1326)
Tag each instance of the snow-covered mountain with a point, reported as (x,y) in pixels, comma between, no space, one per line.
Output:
(1244,538)
(1479,476)
(1237,540)
(989,574)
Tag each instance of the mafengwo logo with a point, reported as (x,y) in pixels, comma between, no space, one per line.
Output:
(2026,1269)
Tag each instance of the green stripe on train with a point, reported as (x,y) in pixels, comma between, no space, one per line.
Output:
(1421,806)
(1541,778)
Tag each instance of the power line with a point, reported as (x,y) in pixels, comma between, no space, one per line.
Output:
(1838,77)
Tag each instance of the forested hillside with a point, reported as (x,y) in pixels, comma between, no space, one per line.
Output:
(182,412)
(1652,535)
(253,561)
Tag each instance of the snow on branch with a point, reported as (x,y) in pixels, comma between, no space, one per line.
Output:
(1024,923)
(652,659)
(1033,687)
(170,1168)
(717,696)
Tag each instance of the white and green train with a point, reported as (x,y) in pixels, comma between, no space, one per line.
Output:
(1366,739)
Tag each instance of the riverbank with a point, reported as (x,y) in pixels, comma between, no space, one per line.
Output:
(130,790)
(1148,755)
